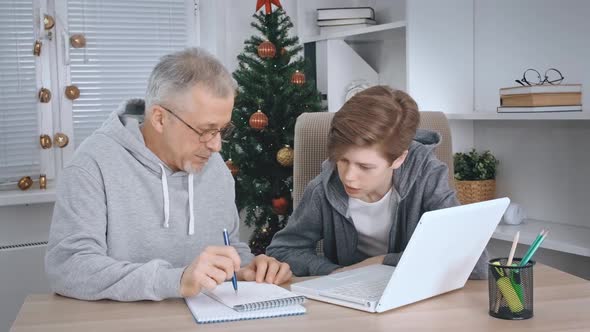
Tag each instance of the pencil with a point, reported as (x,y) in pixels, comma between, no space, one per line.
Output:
(533,249)
(513,249)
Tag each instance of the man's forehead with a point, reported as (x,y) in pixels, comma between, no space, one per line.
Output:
(206,119)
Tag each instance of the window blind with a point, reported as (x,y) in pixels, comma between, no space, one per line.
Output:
(19,133)
(124,40)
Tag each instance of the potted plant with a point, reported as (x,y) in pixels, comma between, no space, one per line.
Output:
(475,175)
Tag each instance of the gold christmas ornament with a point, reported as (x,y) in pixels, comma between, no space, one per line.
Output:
(285,156)
(78,40)
(232,167)
(42,181)
(37,48)
(266,49)
(72,92)
(45,141)
(298,78)
(44,95)
(25,183)
(48,22)
(61,140)
(258,120)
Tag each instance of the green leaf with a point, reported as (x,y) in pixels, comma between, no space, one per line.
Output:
(474,165)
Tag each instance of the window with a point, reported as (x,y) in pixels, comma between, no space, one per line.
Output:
(124,43)
(19,132)
(124,40)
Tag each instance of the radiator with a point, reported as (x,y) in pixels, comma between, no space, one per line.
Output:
(21,274)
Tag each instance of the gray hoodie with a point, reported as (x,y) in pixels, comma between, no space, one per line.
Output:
(125,225)
(422,185)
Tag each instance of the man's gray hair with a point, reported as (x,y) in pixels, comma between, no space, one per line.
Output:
(180,71)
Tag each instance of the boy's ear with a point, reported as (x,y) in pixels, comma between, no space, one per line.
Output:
(399,161)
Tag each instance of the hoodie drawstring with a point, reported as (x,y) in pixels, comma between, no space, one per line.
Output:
(166,198)
(191,196)
(191,221)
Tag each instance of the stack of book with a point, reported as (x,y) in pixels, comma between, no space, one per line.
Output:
(541,98)
(332,20)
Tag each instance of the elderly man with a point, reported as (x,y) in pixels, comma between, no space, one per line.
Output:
(141,208)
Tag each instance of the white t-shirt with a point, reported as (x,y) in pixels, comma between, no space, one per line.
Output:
(373,222)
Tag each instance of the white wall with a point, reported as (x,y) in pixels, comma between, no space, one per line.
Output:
(226,25)
(539,34)
(440,54)
(21,270)
(25,223)
(440,62)
(543,164)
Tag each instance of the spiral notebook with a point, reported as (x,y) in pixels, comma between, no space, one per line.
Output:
(252,301)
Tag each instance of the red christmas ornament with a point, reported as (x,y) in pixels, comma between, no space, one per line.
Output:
(266,49)
(280,205)
(258,120)
(298,78)
(232,167)
(267,5)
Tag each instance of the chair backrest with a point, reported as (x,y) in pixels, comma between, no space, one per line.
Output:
(311,137)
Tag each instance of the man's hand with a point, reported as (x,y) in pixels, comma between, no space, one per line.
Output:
(368,261)
(266,269)
(215,265)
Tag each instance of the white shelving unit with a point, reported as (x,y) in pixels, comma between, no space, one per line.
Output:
(562,237)
(376,32)
(356,57)
(371,55)
(519,116)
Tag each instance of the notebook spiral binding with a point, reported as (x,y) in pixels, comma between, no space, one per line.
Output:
(270,304)
(229,319)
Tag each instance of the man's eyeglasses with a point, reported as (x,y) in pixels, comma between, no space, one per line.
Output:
(207,135)
(533,77)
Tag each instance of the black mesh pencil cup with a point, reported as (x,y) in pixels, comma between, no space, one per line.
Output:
(511,289)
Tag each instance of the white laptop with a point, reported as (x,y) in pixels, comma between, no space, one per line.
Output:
(439,258)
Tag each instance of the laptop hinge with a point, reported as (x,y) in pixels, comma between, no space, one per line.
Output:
(355,300)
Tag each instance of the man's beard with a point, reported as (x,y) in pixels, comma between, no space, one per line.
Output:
(188,167)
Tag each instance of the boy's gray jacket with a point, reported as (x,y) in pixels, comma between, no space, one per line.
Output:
(125,225)
(422,184)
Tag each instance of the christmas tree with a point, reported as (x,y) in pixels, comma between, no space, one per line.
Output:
(272,93)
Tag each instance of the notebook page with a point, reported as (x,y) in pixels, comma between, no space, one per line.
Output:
(249,292)
(207,310)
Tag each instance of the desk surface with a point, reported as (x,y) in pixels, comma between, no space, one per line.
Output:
(562,302)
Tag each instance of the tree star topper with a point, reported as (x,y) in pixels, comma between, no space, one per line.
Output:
(267,5)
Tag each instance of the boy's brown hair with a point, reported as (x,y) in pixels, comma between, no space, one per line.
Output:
(378,116)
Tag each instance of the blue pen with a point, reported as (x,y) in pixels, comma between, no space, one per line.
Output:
(234,279)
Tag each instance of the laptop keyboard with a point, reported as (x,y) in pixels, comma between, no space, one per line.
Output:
(367,290)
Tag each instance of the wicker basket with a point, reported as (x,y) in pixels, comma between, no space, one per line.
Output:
(475,191)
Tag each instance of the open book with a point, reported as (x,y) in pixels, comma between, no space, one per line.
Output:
(252,301)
